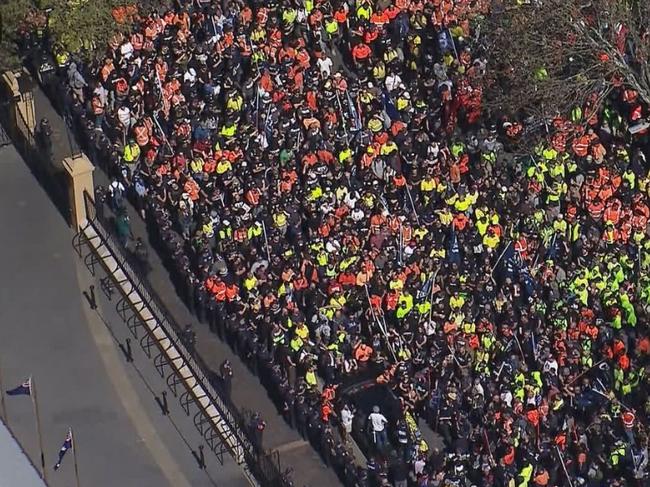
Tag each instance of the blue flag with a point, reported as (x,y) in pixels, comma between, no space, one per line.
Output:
(353,111)
(24,389)
(453,249)
(67,444)
(389,106)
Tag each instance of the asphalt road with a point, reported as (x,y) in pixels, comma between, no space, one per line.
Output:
(47,330)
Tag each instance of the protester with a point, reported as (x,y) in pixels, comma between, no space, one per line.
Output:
(378,427)
(122,226)
(334,198)
(346,418)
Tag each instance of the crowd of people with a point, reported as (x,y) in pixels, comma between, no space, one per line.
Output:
(332,196)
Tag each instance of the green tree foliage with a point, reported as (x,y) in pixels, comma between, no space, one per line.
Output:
(83,24)
(550,55)
(12,16)
(79,26)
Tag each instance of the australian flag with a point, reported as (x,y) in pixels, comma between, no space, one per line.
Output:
(24,389)
(67,444)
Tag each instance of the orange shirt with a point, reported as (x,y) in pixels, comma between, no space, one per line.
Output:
(361,51)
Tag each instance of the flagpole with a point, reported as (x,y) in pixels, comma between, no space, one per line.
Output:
(2,400)
(37,417)
(74,458)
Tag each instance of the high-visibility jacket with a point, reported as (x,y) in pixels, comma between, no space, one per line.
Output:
(390,56)
(250,283)
(331,26)
(424,308)
(361,51)
(456,302)
(541,478)
(574,231)
(364,12)
(302,332)
(219,290)
(618,452)
(469,327)
(525,475)
(310,379)
(405,302)
(131,153)
(555,192)
(491,240)
(280,219)
(225,232)
(379,71)
(229,130)
(464,203)
(196,165)
(232,291)
(141,135)
(62,58)
(341,15)
(427,185)
(576,114)
(296,343)
(255,230)
(549,154)
(235,103)
(258,35)
(208,229)
(289,16)
(580,146)
(362,352)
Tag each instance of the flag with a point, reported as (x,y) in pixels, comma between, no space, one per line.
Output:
(67,444)
(353,111)
(24,389)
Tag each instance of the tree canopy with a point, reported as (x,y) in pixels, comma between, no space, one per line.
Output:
(75,24)
(550,55)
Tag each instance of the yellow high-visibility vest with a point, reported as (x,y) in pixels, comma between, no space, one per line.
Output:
(131,153)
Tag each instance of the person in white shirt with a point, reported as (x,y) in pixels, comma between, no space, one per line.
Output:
(116,190)
(124,116)
(393,81)
(351,199)
(378,424)
(325,65)
(550,366)
(346,423)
